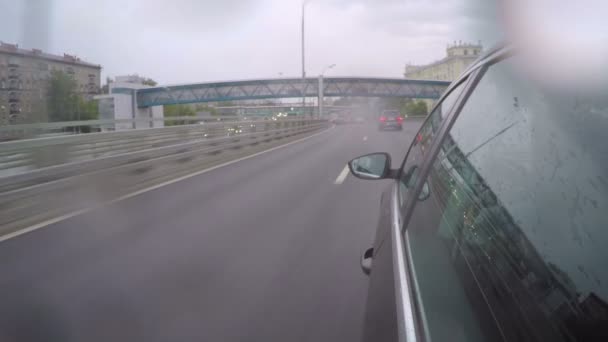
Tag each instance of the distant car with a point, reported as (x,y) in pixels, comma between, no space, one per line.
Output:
(493,226)
(341,119)
(390,119)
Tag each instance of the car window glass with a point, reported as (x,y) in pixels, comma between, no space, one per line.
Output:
(512,242)
(423,140)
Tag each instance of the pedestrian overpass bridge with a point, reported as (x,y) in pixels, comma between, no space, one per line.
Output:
(287,88)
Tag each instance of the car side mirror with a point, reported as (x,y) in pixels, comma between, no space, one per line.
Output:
(425,192)
(371,166)
(366,260)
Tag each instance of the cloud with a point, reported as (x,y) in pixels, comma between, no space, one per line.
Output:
(11,21)
(197,41)
(192,17)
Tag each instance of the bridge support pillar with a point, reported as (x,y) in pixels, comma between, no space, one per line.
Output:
(320,93)
(123,107)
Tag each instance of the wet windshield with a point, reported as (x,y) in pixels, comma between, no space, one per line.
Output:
(519,195)
(181,170)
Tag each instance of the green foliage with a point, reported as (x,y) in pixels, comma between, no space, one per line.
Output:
(416,108)
(350,101)
(89,110)
(404,105)
(149,82)
(61,97)
(177,111)
(206,108)
(64,103)
(270,103)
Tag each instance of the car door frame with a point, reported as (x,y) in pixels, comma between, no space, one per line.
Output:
(383,290)
(410,318)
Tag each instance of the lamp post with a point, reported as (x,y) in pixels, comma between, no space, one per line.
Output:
(320,92)
(304,3)
(331,66)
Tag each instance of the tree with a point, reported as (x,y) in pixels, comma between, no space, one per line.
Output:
(88,109)
(64,103)
(269,103)
(178,110)
(149,82)
(61,99)
(416,108)
(228,104)
(206,108)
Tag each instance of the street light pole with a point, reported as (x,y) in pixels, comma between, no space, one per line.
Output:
(331,66)
(320,92)
(303,57)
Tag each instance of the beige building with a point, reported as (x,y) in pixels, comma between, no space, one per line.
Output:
(24,79)
(459,57)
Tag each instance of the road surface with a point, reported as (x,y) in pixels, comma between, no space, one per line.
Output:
(265,249)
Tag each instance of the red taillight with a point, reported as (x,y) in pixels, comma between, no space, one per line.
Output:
(399,119)
(382,118)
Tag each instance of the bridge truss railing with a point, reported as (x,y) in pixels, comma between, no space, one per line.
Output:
(291,88)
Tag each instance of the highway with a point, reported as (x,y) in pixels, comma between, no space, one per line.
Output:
(264,249)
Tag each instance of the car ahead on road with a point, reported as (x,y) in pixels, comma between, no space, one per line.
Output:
(342,119)
(494,226)
(390,119)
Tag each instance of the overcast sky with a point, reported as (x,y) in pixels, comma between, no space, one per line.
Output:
(182,41)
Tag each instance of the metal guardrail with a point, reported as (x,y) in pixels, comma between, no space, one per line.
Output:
(21,156)
(53,170)
(22,131)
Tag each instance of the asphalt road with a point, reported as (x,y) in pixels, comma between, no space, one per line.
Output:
(265,249)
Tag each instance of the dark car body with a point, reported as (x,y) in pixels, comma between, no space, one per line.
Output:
(390,119)
(494,227)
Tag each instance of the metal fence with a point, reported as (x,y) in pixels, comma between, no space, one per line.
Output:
(22,157)
(36,173)
(42,129)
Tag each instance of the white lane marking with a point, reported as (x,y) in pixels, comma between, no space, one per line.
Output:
(365,138)
(342,175)
(139,192)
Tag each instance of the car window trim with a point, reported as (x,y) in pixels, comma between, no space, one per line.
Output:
(447,93)
(407,329)
(479,71)
(414,327)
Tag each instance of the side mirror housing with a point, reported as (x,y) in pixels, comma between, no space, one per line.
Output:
(366,260)
(410,180)
(371,166)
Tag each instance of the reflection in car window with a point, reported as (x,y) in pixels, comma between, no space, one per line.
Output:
(515,247)
(424,138)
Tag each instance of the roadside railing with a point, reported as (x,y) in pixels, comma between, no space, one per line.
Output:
(39,177)
(33,130)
